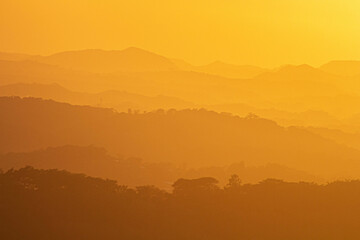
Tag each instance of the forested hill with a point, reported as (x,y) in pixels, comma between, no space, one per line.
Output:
(193,137)
(51,204)
(96,162)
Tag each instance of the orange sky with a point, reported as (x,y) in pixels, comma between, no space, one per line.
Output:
(260,32)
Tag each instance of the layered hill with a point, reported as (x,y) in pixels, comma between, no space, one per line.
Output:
(192,137)
(133,60)
(134,172)
(5,56)
(289,89)
(119,100)
(192,86)
(124,101)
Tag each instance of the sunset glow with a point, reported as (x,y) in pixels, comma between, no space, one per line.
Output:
(267,33)
(179,119)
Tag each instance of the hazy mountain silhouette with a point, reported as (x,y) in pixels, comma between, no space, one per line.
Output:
(96,162)
(232,70)
(5,56)
(302,80)
(342,68)
(193,137)
(139,60)
(183,65)
(101,61)
(290,88)
(222,69)
(47,91)
(342,105)
(34,72)
(192,86)
(123,101)
(28,67)
(342,137)
(133,59)
(120,100)
(299,73)
(284,118)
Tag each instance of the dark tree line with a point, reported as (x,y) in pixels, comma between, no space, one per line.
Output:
(52,204)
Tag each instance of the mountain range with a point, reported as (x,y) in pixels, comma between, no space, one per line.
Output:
(132,172)
(193,138)
(134,59)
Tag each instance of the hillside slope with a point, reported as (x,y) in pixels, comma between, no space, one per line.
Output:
(191,137)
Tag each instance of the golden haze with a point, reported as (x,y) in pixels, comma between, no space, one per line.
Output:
(261,32)
(179,119)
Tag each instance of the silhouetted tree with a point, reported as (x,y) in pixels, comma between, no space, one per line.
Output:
(51,204)
(191,186)
(234,182)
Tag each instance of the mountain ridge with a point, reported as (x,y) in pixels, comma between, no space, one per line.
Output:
(194,137)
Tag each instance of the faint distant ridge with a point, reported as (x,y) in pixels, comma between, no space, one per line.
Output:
(290,69)
(222,69)
(33,90)
(342,68)
(6,56)
(119,100)
(135,59)
(303,72)
(232,70)
(101,61)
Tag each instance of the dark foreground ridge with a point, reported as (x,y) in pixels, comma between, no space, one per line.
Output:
(52,204)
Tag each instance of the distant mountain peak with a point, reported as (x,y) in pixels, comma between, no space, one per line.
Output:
(131,59)
(302,67)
